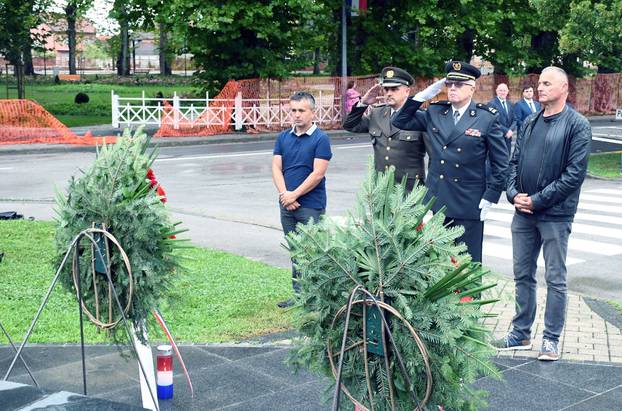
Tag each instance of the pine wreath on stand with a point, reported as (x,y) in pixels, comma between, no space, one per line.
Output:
(414,267)
(116,194)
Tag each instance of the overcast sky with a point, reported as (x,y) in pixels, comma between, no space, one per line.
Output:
(98,14)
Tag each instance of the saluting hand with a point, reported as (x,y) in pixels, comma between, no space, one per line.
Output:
(371,97)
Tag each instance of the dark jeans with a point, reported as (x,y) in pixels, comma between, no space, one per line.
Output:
(289,220)
(528,236)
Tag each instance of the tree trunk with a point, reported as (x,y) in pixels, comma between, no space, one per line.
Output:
(29,69)
(543,46)
(123,64)
(71,14)
(165,68)
(316,63)
(19,74)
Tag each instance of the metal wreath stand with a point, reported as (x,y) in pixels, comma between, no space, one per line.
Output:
(97,237)
(370,300)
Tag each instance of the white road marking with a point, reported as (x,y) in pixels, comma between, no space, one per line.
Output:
(586,246)
(603,199)
(576,227)
(582,205)
(601,218)
(249,154)
(6,168)
(349,146)
(606,140)
(212,156)
(607,191)
(505,252)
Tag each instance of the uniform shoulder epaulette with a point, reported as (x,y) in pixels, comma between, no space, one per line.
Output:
(378,105)
(440,103)
(486,107)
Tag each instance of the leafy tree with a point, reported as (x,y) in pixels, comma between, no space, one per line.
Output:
(597,24)
(74,9)
(17,18)
(121,12)
(246,38)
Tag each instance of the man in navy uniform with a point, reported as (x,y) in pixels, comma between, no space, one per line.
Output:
(392,147)
(460,136)
(506,113)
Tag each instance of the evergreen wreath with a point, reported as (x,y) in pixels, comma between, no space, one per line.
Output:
(416,268)
(116,193)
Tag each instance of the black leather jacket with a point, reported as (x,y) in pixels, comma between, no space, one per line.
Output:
(566,152)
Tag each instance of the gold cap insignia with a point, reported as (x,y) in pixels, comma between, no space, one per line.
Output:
(390,73)
(456,65)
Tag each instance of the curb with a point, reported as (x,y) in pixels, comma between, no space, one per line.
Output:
(595,177)
(166,142)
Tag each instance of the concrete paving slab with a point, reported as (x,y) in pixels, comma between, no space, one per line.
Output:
(306,397)
(522,391)
(273,364)
(610,400)
(15,396)
(238,352)
(593,377)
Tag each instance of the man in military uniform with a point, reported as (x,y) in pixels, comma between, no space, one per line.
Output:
(460,136)
(392,147)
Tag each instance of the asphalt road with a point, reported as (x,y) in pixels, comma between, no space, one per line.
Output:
(224,194)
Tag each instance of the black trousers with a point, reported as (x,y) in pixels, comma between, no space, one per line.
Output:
(473,235)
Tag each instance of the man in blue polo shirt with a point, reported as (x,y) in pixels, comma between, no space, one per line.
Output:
(301,156)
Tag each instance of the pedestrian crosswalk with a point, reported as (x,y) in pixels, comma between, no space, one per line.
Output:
(596,231)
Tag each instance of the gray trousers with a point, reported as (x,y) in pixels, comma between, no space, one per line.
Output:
(529,236)
(289,220)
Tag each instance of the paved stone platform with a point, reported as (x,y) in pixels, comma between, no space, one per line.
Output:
(253,375)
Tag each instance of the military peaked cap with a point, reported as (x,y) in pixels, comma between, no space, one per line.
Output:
(393,77)
(460,71)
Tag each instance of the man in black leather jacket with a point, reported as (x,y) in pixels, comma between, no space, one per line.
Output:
(545,177)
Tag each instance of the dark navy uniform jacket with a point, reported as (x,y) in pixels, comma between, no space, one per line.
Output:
(392,147)
(458,153)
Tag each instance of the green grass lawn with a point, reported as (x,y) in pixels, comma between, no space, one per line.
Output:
(605,164)
(220,296)
(58,99)
(617,305)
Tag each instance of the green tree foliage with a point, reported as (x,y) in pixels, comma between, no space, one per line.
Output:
(384,247)
(246,38)
(116,192)
(594,33)
(17,17)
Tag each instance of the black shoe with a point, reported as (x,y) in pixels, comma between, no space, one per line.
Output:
(286,303)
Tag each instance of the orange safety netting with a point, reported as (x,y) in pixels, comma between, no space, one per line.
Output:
(186,128)
(26,122)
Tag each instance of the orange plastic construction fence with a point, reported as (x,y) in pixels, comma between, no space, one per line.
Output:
(26,122)
(187,128)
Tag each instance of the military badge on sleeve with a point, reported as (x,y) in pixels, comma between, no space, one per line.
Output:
(473,132)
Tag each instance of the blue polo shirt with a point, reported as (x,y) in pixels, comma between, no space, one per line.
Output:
(298,153)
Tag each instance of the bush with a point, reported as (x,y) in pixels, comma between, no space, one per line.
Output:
(81,98)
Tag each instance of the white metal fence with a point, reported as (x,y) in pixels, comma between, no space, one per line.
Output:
(129,111)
